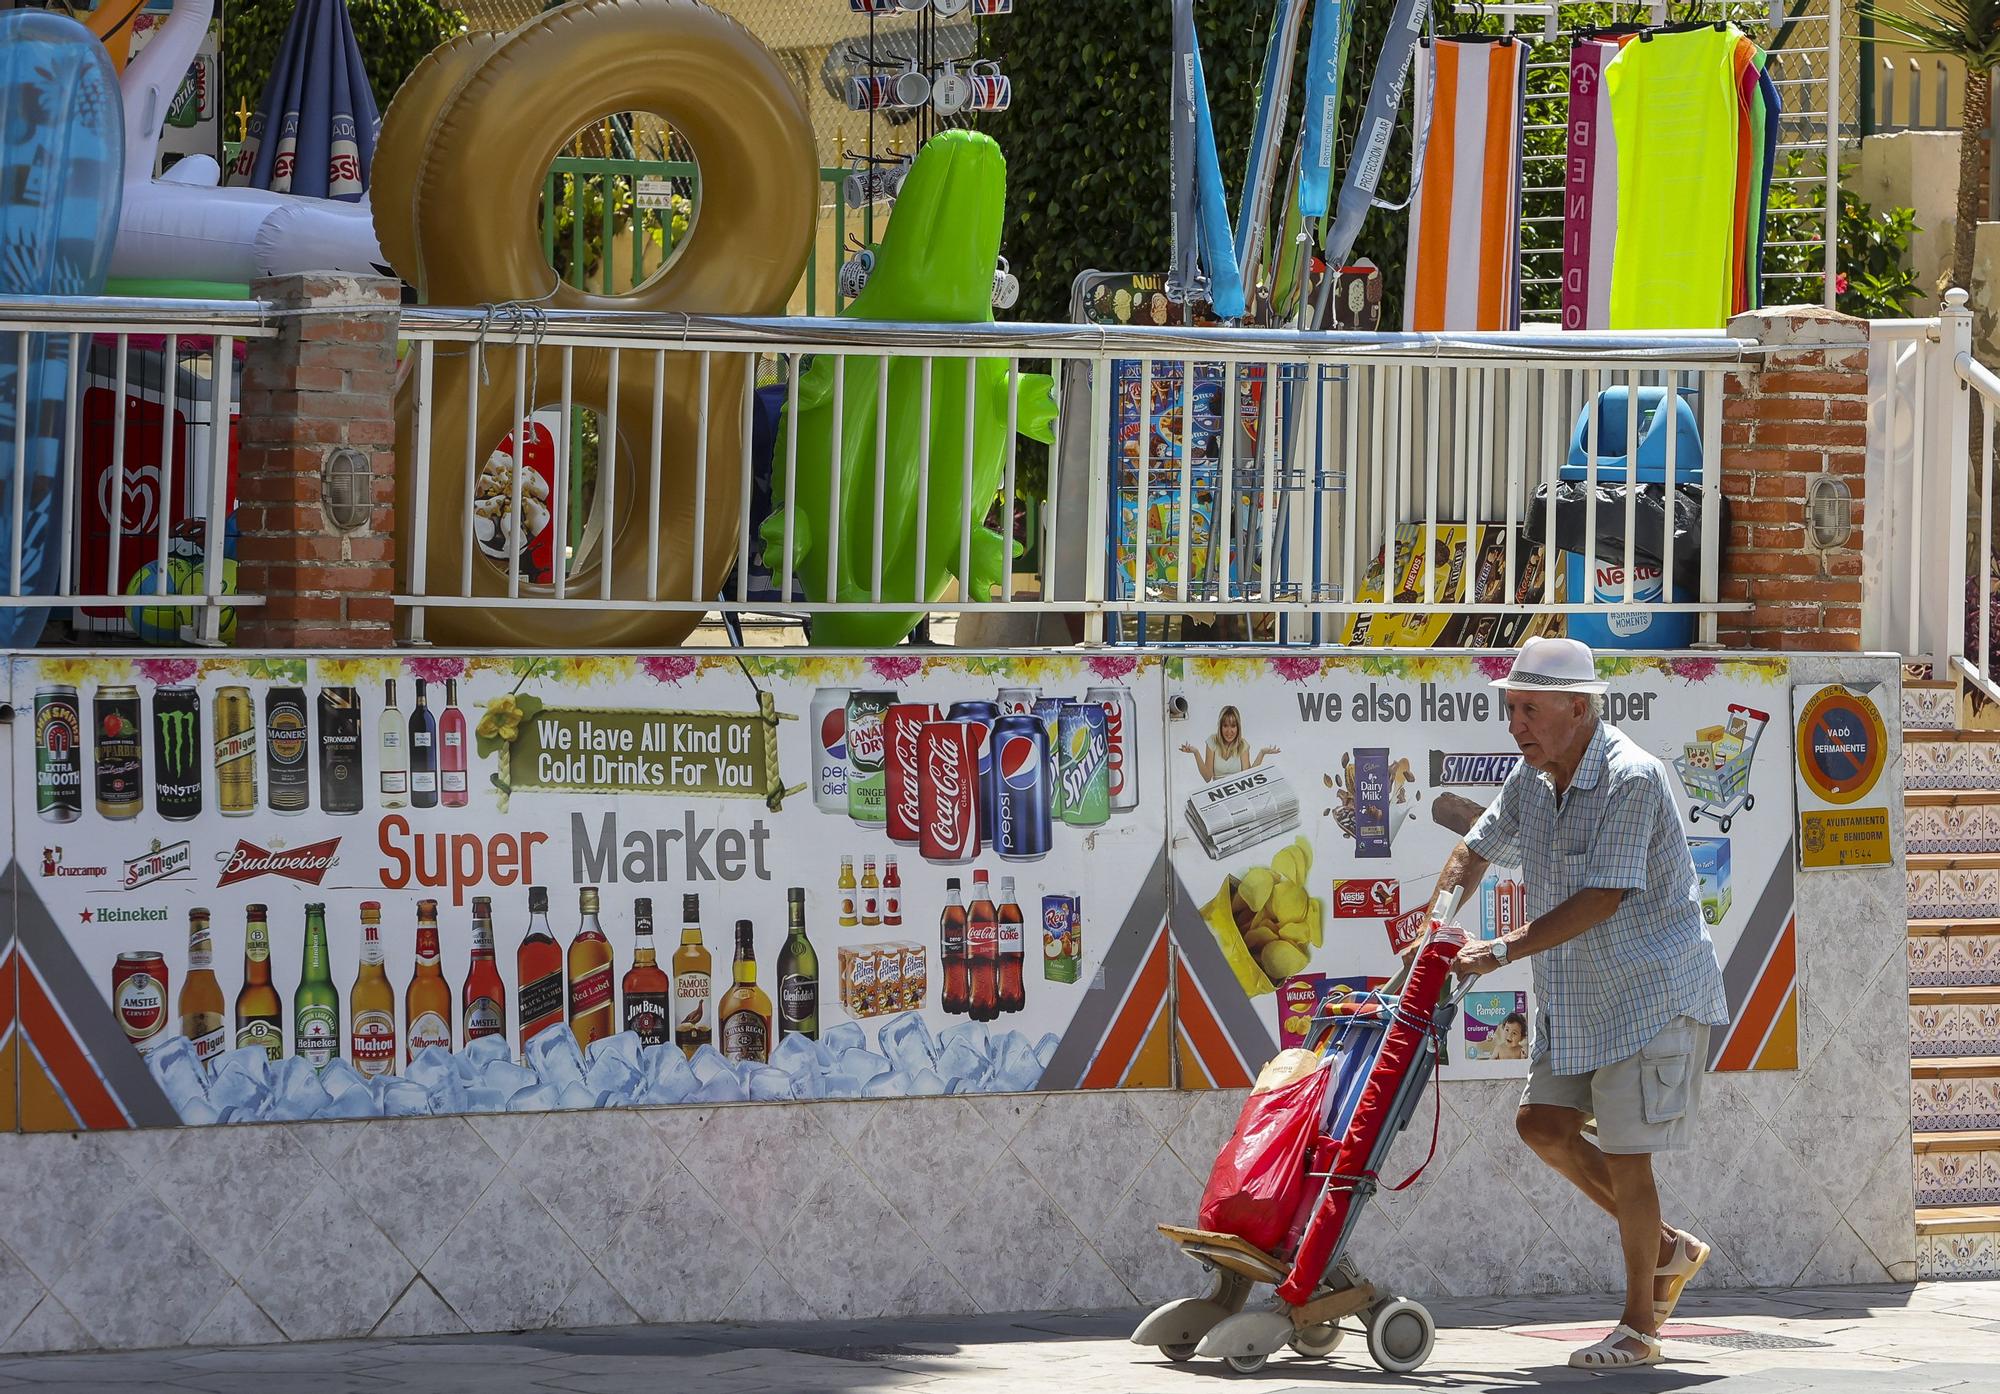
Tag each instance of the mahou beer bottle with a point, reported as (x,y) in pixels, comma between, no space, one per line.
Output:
(201,995)
(951,951)
(260,1012)
(427,1000)
(371,1005)
(648,993)
(745,1024)
(593,1014)
(694,976)
(798,973)
(982,950)
(538,967)
(485,994)
(1013,950)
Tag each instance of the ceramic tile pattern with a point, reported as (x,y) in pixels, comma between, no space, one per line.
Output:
(774,1212)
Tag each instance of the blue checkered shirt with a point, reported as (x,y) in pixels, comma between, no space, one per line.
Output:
(1606,993)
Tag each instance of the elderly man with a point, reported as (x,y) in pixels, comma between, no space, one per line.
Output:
(1626,979)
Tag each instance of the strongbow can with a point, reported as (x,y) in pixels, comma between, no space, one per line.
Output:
(121,770)
(948,791)
(828,719)
(139,996)
(1021,759)
(1084,771)
(867,801)
(901,725)
(1120,716)
(235,752)
(58,761)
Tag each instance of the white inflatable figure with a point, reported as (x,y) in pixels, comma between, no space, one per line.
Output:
(182,226)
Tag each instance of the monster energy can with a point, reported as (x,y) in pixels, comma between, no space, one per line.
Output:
(177,753)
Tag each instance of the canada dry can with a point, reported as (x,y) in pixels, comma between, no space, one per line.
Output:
(121,769)
(1085,768)
(235,752)
(58,761)
(286,741)
(339,750)
(139,996)
(828,717)
(867,801)
(1120,733)
(177,753)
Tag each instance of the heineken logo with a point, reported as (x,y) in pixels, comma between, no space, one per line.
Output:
(157,864)
(308,864)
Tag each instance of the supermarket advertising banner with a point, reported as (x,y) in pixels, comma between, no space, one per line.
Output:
(256,889)
(1313,801)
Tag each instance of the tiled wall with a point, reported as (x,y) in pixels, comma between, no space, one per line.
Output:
(250,1234)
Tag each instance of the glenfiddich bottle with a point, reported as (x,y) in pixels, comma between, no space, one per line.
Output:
(538,967)
(648,993)
(694,970)
(798,972)
(746,1011)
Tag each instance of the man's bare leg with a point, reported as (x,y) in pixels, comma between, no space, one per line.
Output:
(1555,1134)
(1638,1212)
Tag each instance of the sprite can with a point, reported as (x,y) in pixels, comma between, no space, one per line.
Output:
(1084,771)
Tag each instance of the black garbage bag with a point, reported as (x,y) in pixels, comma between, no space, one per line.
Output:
(1648,549)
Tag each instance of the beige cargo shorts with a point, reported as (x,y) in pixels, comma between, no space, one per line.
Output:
(1645,1103)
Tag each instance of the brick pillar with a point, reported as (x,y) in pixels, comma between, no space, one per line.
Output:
(1799,412)
(325,381)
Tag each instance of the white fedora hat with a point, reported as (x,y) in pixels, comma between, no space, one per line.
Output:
(1553,665)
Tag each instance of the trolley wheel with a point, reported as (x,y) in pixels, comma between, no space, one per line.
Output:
(1708,914)
(1749,802)
(1180,1351)
(1400,1335)
(1726,822)
(1693,817)
(1318,1342)
(1245,1364)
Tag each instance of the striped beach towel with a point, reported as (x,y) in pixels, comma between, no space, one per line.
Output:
(1465,216)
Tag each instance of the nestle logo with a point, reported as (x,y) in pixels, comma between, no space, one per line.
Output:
(157,864)
(304,864)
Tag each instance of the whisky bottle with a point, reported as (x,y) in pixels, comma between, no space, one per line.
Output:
(538,967)
(693,982)
(648,993)
(746,1011)
(798,972)
(593,1011)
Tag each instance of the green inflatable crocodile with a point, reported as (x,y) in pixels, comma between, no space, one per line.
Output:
(934,265)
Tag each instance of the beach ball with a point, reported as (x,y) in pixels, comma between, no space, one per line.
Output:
(195,582)
(157,624)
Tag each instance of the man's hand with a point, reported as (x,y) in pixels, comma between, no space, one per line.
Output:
(1475,961)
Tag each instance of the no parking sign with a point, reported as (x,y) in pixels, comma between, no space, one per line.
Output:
(1842,746)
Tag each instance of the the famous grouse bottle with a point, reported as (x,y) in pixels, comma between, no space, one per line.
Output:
(339,750)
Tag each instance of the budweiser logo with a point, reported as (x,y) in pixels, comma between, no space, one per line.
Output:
(950,805)
(308,864)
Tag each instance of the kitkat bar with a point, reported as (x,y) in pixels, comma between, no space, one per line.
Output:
(1455,812)
(1407,928)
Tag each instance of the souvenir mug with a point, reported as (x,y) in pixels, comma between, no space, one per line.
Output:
(854,273)
(951,91)
(992,90)
(867,91)
(911,87)
(1006,287)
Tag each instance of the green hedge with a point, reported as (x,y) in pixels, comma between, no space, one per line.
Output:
(394,35)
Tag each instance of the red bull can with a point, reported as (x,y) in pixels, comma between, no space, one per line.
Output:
(1021,764)
(1084,769)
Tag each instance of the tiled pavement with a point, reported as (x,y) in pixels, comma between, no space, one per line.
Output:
(1932,1337)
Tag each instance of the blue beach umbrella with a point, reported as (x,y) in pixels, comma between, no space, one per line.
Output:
(314,131)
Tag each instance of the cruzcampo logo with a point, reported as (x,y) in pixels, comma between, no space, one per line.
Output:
(177,739)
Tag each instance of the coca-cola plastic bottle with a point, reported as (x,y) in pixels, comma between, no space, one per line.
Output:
(951,951)
(982,950)
(1013,995)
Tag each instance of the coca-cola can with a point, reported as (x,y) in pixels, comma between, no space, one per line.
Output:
(901,786)
(948,791)
(1121,732)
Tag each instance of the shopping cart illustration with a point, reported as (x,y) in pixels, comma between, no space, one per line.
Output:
(1722,790)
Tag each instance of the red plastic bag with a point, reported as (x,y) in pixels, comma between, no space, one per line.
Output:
(1259,1179)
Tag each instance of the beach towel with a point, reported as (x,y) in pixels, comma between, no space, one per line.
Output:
(1465,217)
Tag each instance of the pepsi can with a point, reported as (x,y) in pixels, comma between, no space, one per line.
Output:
(983,715)
(1049,709)
(1084,765)
(828,719)
(1021,758)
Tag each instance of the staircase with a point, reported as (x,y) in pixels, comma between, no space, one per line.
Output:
(1951,777)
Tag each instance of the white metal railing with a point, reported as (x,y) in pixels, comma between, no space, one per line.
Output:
(116,421)
(1362,434)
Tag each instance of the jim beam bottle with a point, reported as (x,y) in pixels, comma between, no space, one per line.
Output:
(593,1012)
(746,1012)
(485,994)
(339,750)
(427,1000)
(177,753)
(371,1023)
(235,752)
(538,967)
(201,995)
(694,970)
(798,971)
(260,1014)
(649,1007)
(286,743)
(316,1004)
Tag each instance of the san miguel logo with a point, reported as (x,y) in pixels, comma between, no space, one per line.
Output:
(308,864)
(157,864)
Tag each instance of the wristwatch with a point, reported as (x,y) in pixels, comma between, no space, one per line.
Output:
(1500,949)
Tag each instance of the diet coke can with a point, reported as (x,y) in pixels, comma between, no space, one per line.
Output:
(1016,700)
(828,718)
(1119,717)
(901,725)
(948,791)
(984,714)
